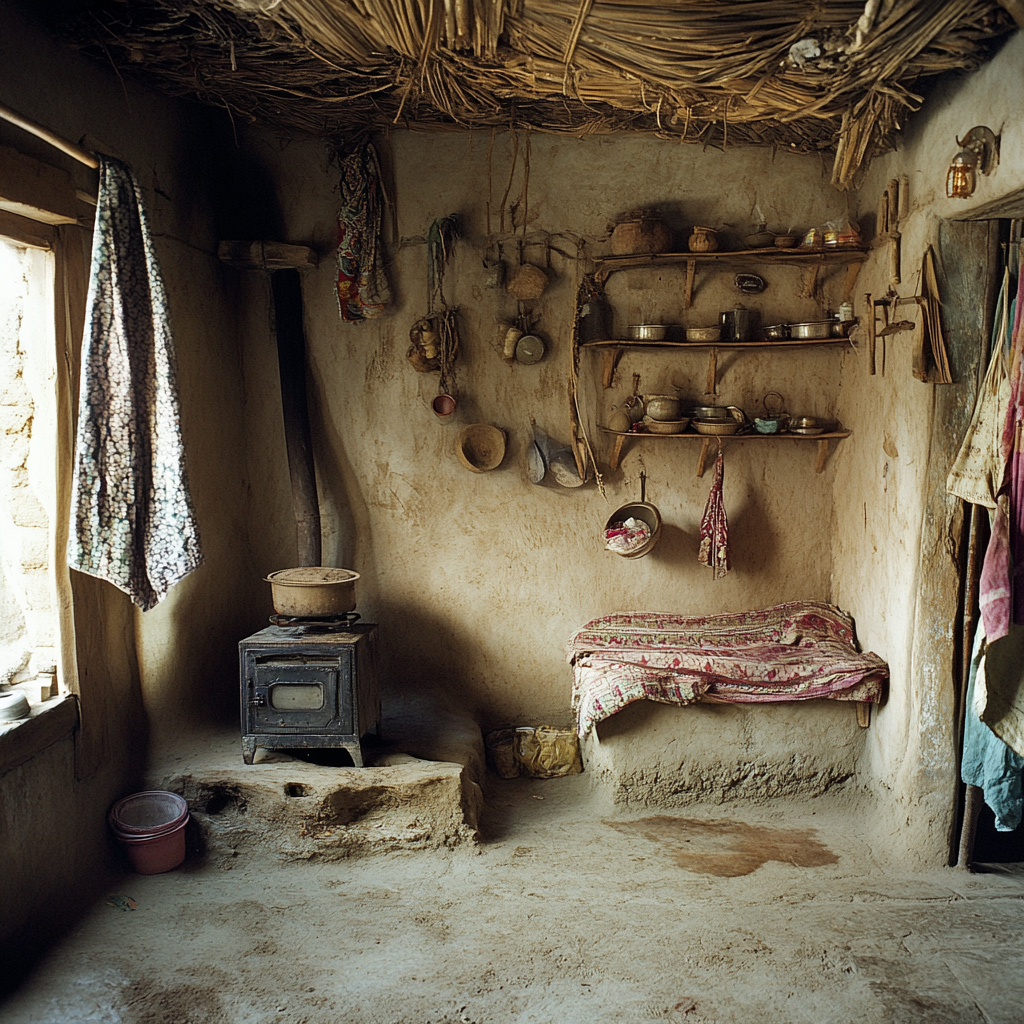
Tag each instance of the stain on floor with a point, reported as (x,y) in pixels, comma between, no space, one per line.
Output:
(727,848)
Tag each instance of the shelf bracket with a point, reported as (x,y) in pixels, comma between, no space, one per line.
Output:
(711,388)
(609,361)
(691,268)
(702,459)
(819,463)
(616,456)
(863,713)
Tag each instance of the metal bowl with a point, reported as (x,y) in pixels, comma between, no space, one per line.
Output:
(648,332)
(704,334)
(813,331)
(777,332)
(645,512)
(809,426)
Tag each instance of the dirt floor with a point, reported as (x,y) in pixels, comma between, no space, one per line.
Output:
(566,911)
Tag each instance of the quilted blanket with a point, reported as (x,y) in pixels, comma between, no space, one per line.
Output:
(793,651)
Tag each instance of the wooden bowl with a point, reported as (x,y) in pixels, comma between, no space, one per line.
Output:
(703,334)
(716,428)
(481,447)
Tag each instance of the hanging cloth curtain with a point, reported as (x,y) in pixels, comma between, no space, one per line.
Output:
(132,520)
(714,526)
(363,291)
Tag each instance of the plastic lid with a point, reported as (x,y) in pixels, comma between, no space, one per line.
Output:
(312,576)
(148,813)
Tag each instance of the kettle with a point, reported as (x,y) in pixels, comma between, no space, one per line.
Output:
(737,324)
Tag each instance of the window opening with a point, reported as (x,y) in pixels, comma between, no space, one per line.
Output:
(29,642)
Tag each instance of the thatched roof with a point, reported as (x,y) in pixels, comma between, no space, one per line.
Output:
(814,75)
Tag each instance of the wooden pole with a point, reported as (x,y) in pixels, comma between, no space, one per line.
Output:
(291,357)
(79,154)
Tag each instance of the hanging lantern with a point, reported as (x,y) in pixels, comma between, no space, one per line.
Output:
(979,152)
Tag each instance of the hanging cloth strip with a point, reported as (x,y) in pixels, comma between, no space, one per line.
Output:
(132,519)
(714,526)
(363,291)
(1002,597)
(978,470)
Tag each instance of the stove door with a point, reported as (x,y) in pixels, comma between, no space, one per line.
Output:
(288,693)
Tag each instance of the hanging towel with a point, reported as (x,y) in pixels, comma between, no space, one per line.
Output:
(714,526)
(987,761)
(132,520)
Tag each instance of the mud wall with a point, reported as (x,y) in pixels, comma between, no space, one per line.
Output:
(896,532)
(166,666)
(478,580)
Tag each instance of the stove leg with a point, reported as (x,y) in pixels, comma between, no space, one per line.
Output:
(248,749)
(356,751)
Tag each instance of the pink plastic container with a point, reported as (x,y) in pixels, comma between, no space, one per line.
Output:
(152,855)
(151,828)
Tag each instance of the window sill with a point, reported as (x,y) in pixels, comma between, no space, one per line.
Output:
(48,722)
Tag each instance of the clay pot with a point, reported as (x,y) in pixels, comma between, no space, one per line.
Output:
(640,233)
(703,240)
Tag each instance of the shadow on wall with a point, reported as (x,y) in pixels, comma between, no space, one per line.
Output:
(753,545)
(428,653)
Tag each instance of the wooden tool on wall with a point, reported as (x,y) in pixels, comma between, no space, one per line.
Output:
(892,210)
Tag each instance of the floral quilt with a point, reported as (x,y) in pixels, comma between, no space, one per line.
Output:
(794,651)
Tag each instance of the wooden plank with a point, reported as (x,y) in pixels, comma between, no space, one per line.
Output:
(870,315)
(615,460)
(711,385)
(31,736)
(691,267)
(264,255)
(789,343)
(609,360)
(702,459)
(819,462)
(29,188)
(28,232)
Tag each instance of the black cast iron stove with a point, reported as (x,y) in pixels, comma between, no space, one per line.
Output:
(309,684)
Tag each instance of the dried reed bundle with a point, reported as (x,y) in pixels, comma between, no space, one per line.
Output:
(709,71)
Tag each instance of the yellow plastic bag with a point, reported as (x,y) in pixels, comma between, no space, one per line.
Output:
(542,752)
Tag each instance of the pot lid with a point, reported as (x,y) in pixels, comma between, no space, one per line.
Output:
(312,576)
(529,349)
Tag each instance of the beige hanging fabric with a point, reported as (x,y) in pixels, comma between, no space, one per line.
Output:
(977,471)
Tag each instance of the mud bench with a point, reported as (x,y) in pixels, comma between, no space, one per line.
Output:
(794,651)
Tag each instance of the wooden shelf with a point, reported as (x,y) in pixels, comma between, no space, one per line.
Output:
(612,350)
(823,442)
(739,258)
(790,343)
(811,260)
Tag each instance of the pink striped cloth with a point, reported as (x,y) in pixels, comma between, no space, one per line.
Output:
(794,651)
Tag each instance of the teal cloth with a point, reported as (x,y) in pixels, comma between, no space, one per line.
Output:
(987,761)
